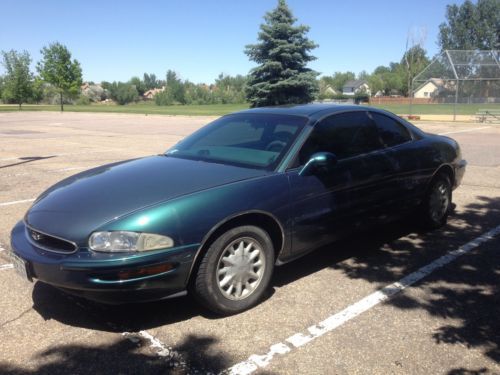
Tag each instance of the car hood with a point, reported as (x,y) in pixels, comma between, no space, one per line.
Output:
(76,206)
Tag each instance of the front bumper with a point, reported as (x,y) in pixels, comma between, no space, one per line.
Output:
(108,278)
(459,173)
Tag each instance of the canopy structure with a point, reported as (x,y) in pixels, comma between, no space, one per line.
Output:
(466,76)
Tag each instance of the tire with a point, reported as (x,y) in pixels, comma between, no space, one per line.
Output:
(437,203)
(235,271)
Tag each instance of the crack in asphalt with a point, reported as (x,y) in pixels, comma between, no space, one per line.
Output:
(16,318)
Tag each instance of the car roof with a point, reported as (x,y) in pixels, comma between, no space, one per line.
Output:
(308,110)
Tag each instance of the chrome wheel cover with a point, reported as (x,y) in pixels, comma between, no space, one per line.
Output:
(439,201)
(240,268)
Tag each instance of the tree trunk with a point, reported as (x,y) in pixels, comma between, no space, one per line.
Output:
(62,108)
(20,105)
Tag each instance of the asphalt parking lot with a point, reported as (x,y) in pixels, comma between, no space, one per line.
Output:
(325,314)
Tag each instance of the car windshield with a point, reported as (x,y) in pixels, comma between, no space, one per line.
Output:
(248,140)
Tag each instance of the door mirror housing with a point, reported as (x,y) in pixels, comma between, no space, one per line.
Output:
(320,162)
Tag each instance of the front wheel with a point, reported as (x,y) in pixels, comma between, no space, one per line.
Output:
(437,203)
(235,271)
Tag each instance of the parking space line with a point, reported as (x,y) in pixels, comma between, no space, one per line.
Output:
(254,362)
(466,130)
(55,170)
(173,358)
(16,202)
(6,266)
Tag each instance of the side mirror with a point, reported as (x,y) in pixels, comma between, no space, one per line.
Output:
(318,163)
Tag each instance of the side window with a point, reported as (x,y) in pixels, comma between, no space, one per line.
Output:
(345,135)
(391,132)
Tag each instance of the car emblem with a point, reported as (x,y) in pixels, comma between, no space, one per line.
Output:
(36,236)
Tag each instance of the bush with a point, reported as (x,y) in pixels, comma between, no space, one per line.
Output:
(83,100)
(95,93)
(123,93)
(164,98)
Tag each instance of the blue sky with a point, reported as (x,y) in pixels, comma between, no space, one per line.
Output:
(115,40)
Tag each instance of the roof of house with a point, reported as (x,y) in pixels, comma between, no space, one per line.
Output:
(356,83)
(153,92)
(438,82)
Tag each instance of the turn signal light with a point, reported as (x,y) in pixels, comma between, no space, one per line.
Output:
(146,271)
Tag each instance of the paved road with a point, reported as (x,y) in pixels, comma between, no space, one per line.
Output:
(445,323)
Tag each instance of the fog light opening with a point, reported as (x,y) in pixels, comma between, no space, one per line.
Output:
(145,271)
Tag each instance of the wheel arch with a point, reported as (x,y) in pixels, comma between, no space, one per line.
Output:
(261,219)
(444,169)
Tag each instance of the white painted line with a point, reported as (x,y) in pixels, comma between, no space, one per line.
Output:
(69,169)
(171,356)
(466,130)
(17,202)
(52,170)
(6,266)
(254,362)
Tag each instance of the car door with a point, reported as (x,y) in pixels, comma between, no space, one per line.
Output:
(326,205)
(410,178)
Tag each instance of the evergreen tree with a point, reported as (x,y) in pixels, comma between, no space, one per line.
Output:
(282,54)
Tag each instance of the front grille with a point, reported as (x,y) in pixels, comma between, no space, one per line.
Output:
(50,243)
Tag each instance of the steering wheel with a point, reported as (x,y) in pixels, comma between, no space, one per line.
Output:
(280,140)
(275,145)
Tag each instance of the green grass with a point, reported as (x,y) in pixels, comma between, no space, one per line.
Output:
(222,109)
(436,109)
(141,108)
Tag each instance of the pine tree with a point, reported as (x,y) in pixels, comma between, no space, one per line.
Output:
(282,54)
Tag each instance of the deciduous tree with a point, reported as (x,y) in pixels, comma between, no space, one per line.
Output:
(57,68)
(471,26)
(18,80)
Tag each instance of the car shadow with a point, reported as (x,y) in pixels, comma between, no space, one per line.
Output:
(124,356)
(381,256)
(52,303)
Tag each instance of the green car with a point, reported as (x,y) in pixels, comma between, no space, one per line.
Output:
(215,213)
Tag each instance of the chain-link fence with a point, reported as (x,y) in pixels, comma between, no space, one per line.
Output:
(459,78)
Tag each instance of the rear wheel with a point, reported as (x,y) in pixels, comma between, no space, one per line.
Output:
(235,271)
(437,203)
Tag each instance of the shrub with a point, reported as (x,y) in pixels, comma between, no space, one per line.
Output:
(83,100)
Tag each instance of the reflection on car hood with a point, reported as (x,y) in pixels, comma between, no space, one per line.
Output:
(76,206)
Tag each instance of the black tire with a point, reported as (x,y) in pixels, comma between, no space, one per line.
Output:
(224,259)
(437,203)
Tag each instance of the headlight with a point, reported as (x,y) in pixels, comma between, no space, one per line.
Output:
(128,241)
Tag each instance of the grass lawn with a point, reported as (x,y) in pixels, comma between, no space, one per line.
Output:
(222,109)
(437,109)
(141,108)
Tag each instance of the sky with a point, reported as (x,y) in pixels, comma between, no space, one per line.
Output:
(199,39)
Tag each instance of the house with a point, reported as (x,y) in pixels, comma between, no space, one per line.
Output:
(151,93)
(330,91)
(429,88)
(354,87)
